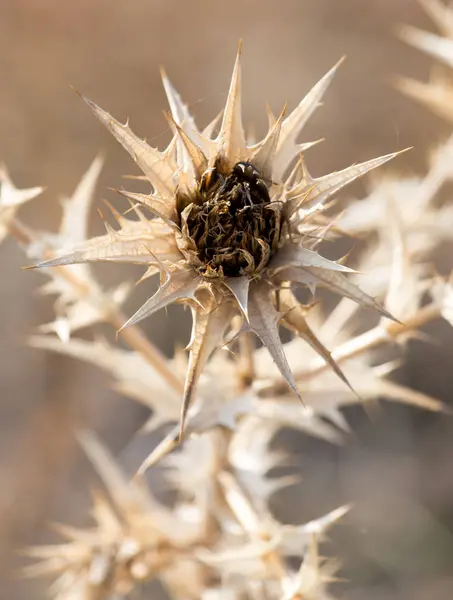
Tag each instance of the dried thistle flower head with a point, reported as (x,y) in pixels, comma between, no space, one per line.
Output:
(232,228)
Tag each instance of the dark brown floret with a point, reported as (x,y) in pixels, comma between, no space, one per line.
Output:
(232,221)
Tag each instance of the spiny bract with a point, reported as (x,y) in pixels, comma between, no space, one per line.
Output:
(232,227)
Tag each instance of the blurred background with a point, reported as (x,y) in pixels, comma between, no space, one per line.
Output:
(398,469)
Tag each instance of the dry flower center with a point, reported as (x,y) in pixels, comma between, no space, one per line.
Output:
(231,221)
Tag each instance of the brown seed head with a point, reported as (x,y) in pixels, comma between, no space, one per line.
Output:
(232,223)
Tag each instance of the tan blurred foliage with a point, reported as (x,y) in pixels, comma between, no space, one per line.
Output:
(112,51)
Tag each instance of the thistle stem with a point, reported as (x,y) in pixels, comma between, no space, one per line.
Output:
(246,361)
(243,510)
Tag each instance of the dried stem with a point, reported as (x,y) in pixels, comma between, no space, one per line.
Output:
(246,368)
(243,510)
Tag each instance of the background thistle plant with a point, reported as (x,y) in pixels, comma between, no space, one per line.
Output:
(204,521)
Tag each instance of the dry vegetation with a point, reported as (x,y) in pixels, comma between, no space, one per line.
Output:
(203,512)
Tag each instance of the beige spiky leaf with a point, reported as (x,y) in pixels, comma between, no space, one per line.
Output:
(210,323)
(253,558)
(406,285)
(295,538)
(252,457)
(10,200)
(316,191)
(132,375)
(231,138)
(313,577)
(441,13)
(229,227)
(370,383)
(76,209)
(295,320)
(136,379)
(81,301)
(158,167)
(292,126)
(436,46)
(436,94)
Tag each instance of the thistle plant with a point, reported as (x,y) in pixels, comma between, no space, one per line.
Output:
(236,231)
(231,227)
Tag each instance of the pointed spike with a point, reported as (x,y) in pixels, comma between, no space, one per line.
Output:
(160,209)
(319,526)
(263,319)
(231,138)
(197,160)
(295,255)
(119,218)
(63,329)
(304,168)
(109,229)
(160,172)
(171,151)
(296,174)
(167,445)
(180,286)
(292,126)
(308,145)
(209,327)
(135,177)
(440,13)
(132,244)
(239,287)
(330,184)
(334,280)
(70,533)
(263,157)
(134,207)
(179,110)
(45,568)
(435,96)
(10,195)
(99,456)
(434,45)
(103,512)
(74,224)
(400,393)
(271,118)
(208,131)
(324,187)
(295,320)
